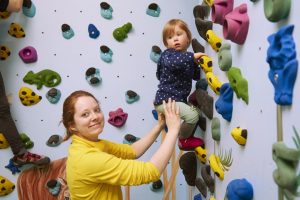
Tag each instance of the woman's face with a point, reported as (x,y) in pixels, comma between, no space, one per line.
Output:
(88,118)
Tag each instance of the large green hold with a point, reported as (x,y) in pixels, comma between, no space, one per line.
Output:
(238,83)
(120,33)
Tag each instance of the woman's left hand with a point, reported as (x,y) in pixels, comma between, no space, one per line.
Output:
(161,120)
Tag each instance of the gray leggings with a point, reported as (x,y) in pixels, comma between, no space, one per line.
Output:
(189,114)
(7,125)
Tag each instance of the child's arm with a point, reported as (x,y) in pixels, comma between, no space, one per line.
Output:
(198,55)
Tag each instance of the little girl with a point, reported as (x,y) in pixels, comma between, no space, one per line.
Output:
(176,69)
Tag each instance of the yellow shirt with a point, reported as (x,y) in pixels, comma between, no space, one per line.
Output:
(96,170)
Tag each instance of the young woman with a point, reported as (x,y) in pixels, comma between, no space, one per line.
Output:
(96,168)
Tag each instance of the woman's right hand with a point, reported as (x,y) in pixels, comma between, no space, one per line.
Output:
(172,115)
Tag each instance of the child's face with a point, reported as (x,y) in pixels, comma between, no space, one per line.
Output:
(178,39)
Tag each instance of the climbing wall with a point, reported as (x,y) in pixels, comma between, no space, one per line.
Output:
(132,69)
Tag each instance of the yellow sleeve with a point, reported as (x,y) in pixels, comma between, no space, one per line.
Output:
(105,168)
(124,151)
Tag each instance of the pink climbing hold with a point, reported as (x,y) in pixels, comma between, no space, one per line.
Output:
(28,54)
(219,9)
(236,24)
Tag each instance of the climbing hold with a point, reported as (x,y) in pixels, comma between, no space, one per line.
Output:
(130,139)
(117,118)
(156,185)
(28,97)
(206,64)
(92,75)
(67,31)
(106,10)
(220,163)
(201,154)
(106,53)
(153,10)
(45,77)
(238,83)
(26,141)
(214,41)
(198,197)
(197,47)
(201,11)
(200,185)
(53,95)
(16,30)
(4,14)
(53,187)
(28,54)
(120,33)
(239,189)
(208,179)
(6,186)
(202,84)
(131,96)
(220,9)
(239,135)
(93,31)
(204,102)
(3,142)
(188,164)
(276,10)
(281,56)
(216,129)
(189,144)
(225,57)
(4,52)
(224,104)
(213,82)
(236,25)
(28,8)
(209,2)
(54,140)
(13,168)
(155,53)
(203,26)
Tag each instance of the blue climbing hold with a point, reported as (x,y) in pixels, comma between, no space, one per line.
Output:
(155,53)
(239,189)
(13,168)
(67,31)
(106,54)
(93,31)
(281,56)
(92,75)
(224,103)
(153,10)
(106,10)
(28,8)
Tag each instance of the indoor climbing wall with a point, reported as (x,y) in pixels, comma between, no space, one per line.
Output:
(64,35)
(108,50)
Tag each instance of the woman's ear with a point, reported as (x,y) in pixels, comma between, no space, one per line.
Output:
(72,128)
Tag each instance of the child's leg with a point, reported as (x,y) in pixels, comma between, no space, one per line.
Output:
(190,116)
(7,125)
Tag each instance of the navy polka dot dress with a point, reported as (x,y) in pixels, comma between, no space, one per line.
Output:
(175,72)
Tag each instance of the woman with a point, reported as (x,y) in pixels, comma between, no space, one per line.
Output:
(97,168)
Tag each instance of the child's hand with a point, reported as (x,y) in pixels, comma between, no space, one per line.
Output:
(198,55)
(172,116)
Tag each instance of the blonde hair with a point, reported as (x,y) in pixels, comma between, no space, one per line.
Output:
(169,29)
